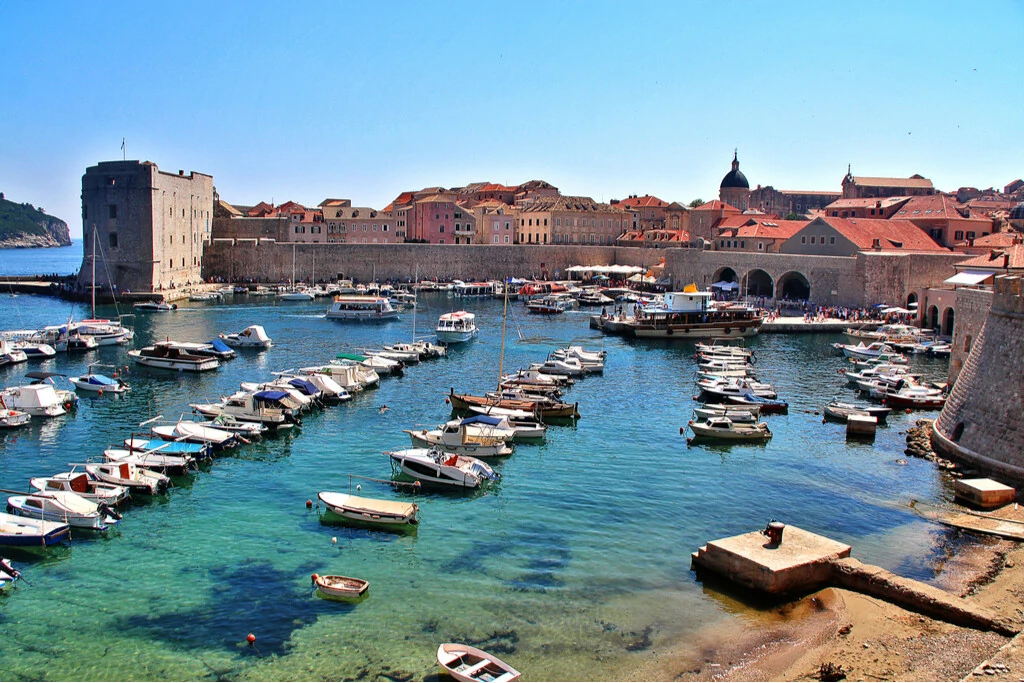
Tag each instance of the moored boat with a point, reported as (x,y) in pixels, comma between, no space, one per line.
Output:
(391,515)
(436,466)
(82,484)
(456,327)
(30,532)
(467,663)
(66,507)
(252,337)
(336,587)
(454,437)
(165,356)
(841,411)
(463,402)
(130,475)
(724,429)
(362,309)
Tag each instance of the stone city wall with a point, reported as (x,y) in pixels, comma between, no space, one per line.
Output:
(972,309)
(981,422)
(272,262)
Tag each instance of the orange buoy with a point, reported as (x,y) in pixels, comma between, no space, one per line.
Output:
(309,504)
(251,639)
(447,401)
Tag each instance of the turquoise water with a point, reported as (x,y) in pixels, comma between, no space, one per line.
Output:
(574,566)
(59,260)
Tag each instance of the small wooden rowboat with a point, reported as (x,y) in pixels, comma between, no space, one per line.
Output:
(466,663)
(340,587)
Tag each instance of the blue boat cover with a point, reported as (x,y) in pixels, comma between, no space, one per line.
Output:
(172,447)
(218,345)
(304,386)
(270,395)
(482,419)
(101,379)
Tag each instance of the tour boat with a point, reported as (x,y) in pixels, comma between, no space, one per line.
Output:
(462,440)
(391,515)
(157,306)
(461,288)
(83,485)
(252,337)
(165,356)
(436,466)
(690,315)
(456,327)
(467,663)
(838,410)
(724,429)
(548,305)
(64,506)
(593,297)
(130,475)
(336,587)
(31,533)
(362,308)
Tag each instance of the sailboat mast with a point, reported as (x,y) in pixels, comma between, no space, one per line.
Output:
(415,300)
(293,267)
(504,318)
(93,271)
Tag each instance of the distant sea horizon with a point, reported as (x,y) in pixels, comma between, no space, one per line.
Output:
(42,260)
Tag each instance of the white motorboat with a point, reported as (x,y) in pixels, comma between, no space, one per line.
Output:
(362,309)
(862,352)
(247,431)
(467,663)
(735,413)
(456,327)
(296,295)
(94,381)
(351,377)
(214,349)
(593,297)
(501,426)
(514,415)
(407,356)
(209,296)
(156,306)
(252,337)
(133,477)
(196,432)
(297,400)
(166,356)
(881,359)
(329,389)
(565,366)
(736,386)
(248,408)
(82,484)
(10,355)
(11,418)
(724,429)
(101,330)
(880,370)
(548,305)
(434,466)
(838,410)
(461,440)
(391,515)
(526,377)
(33,349)
(172,464)
(64,506)
(81,343)
(590,365)
(40,400)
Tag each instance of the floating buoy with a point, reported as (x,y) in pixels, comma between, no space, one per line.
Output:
(359,487)
(100,392)
(251,639)
(682,429)
(314,577)
(447,401)
(334,539)
(309,504)
(908,411)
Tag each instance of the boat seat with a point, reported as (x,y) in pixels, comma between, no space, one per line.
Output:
(476,668)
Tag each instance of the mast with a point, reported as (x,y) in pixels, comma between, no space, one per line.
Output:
(93,316)
(504,319)
(293,266)
(415,301)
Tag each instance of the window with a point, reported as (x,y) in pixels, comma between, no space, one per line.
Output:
(113,210)
(506,239)
(183,213)
(440,228)
(760,246)
(375,227)
(958,235)
(495,239)
(495,226)
(832,239)
(113,240)
(545,222)
(970,234)
(170,263)
(743,244)
(803,239)
(812,239)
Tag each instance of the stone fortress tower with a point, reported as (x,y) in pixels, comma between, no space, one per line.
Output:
(735,190)
(981,422)
(151,227)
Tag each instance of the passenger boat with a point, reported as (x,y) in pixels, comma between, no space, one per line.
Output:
(462,440)
(391,515)
(31,533)
(362,308)
(535,290)
(252,337)
(593,297)
(690,315)
(485,289)
(457,327)
(436,466)
(467,663)
(547,411)
(548,305)
(724,429)
(93,381)
(157,306)
(82,484)
(66,507)
(165,356)
(133,477)
(841,412)
(337,587)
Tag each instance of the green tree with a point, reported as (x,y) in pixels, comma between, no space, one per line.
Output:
(793,216)
(696,202)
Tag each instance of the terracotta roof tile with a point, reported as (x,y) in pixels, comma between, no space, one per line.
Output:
(1010,257)
(874,181)
(645,201)
(893,234)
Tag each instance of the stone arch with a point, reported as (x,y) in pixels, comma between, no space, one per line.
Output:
(948,318)
(911,300)
(932,319)
(759,283)
(794,286)
(725,274)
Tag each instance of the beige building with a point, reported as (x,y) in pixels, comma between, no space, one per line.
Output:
(358,224)
(495,223)
(571,220)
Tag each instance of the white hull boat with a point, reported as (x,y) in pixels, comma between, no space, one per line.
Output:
(724,429)
(467,663)
(434,466)
(459,440)
(65,507)
(196,433)
(456,328)
(83,485)
(252,337)
(136,479)
(391,515)
(165,356)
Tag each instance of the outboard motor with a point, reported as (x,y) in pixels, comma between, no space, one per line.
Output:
(108,511)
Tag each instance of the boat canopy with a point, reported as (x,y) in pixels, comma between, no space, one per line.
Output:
(100,379)
(306,386)
(351,356)
(483,419)
(36,374)
(218,345)
(270,395)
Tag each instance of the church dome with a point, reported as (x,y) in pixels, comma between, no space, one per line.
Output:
(735,177)
(1017,212)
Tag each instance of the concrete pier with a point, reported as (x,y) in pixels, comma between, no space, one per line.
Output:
(986,494)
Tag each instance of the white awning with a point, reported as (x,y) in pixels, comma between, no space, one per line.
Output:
(615,270)
(968,277)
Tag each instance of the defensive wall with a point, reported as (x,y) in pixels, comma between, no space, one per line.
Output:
(972,309)
(272,261)
(981,422)
(862,280)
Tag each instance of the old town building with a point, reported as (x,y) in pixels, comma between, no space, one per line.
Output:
(860,187)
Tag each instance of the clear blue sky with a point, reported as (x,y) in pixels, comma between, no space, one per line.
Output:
(365,99)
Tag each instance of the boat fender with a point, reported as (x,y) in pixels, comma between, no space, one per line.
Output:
(314,578)
(670,331)
(728,330)
(841,371)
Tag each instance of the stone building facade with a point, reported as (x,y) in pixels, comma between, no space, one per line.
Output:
(151,227)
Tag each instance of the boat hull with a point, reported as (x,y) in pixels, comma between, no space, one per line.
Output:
(352,515)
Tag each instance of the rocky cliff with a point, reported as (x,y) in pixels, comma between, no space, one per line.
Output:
(23,225)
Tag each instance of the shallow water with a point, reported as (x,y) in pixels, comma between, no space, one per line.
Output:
(574,566)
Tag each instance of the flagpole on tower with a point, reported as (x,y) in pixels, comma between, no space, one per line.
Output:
(124,151)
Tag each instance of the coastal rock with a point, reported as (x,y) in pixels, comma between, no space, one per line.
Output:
(25,226)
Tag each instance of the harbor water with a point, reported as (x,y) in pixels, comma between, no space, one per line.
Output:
(575,566)
(57,261)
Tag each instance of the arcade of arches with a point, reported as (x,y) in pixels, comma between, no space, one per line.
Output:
(792,285)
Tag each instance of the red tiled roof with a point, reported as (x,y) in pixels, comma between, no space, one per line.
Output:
(646,200)
(873,181)
(717,205)
(1010,257)
(496,187)
(766,228)
(893,234)
(866,203)
(404,198)
(996,240)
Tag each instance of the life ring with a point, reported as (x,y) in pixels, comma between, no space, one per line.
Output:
(728,330)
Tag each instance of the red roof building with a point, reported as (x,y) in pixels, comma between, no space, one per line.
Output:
(831,236)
